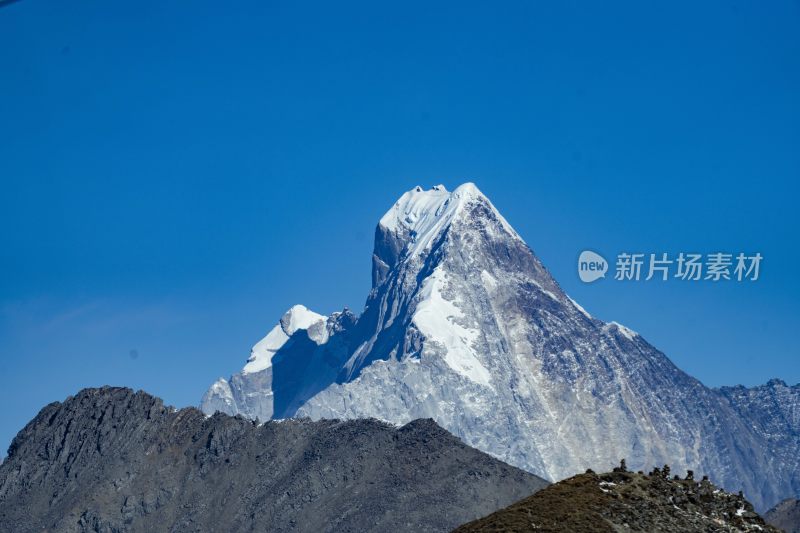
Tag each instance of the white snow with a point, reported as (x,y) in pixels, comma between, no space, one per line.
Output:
(222,388)
(424,214)
(435,319)
(219,397)
(297,318)
(579,308)
(627,332)
(550,294)
(261,354)
(740,512)
(489,281)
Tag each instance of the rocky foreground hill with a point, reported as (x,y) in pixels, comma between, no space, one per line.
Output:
(114,460)
(625,501)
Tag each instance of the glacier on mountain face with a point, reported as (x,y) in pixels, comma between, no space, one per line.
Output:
(466,326)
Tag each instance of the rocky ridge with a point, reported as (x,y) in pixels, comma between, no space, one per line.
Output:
(113,460)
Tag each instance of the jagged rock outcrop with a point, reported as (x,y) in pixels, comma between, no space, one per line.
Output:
(625,501)
(113,460)
(465,325)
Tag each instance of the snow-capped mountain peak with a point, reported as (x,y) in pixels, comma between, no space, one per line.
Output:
(419,216)
(465,325)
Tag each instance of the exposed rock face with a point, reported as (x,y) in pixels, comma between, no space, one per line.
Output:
(466,326)
(785,515)
(111,460)
(772,413)
(624,501)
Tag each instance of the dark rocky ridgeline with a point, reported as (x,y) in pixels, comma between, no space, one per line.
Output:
(626,501)
(111,460)
(785,515)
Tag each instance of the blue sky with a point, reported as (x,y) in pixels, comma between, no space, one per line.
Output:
(174,175)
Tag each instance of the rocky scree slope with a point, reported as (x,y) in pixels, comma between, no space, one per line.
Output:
(114,460)
(625,501)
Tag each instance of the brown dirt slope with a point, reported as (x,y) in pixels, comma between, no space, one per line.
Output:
(625,501)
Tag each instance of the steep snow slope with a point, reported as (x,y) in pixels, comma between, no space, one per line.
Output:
(251,392)
(465,325)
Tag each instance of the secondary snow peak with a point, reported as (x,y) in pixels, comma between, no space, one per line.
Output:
(298,317)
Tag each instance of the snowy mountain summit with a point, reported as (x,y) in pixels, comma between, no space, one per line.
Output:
(466,326)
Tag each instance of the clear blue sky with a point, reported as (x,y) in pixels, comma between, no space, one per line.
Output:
(174,175)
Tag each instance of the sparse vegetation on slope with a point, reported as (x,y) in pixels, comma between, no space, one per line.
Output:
(625,501)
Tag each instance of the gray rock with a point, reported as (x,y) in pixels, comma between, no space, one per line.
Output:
(111,460)
(785,515)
